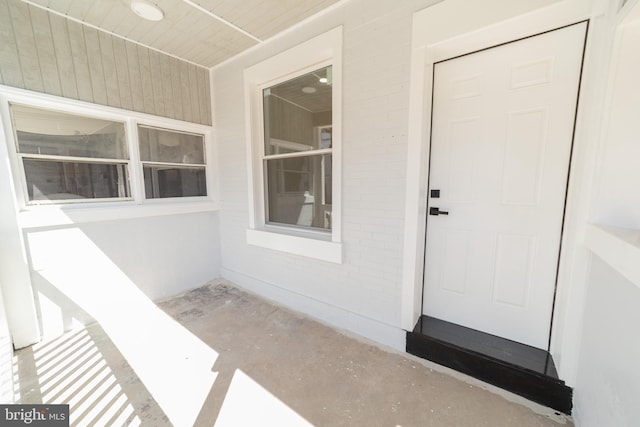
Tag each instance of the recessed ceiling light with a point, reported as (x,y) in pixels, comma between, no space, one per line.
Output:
(323,80)
(309,89)
(147,10)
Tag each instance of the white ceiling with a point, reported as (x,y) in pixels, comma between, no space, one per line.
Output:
(204,32)
(317,101)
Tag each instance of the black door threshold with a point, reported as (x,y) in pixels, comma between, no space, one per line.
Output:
(518,368)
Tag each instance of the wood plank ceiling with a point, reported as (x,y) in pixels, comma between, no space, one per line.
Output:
(204,32)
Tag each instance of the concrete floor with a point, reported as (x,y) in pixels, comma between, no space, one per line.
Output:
(264,365)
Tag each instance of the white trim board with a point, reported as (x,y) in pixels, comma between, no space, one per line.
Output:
(320,51)
(305,246)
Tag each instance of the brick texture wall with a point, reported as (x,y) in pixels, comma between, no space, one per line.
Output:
(364,293)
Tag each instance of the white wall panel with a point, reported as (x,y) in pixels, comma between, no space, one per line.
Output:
(160,256)
(618,201)
(608,384)
(6,357)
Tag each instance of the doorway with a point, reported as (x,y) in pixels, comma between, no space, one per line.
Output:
(501,137)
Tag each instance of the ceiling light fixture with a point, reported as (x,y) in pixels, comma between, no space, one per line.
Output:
(147,10)
(323,80)
(309,89)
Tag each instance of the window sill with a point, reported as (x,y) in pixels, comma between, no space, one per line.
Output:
(618,247)
(51,216)
(311,246)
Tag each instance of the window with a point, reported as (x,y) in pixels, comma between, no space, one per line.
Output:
(173,163)
(297,150)
(79,155)
(293,113)
(69,158)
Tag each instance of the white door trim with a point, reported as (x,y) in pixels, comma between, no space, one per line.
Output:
(483,26)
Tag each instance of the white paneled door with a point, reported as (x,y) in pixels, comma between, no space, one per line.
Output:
(502,130)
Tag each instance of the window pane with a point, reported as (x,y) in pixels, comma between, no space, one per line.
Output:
(295,110)
(327,181)
(56,180)
(161,145)
(297,191)
(169,181)
(325,136)
(60,134)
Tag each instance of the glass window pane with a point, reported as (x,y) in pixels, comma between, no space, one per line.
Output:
(327,182)
(60,134)
(171,181)
(161,145)
(325,136)
(294,110)
(61,180)
(297,191)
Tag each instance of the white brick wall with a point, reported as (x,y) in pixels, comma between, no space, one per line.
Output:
(363,294)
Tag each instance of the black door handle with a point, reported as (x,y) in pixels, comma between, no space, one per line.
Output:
(437,211)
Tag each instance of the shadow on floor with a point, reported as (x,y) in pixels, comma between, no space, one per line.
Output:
(274,367)
(84,369)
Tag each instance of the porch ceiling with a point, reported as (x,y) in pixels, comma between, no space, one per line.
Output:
(204,32)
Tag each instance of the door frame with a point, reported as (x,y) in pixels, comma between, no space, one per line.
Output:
(495,22)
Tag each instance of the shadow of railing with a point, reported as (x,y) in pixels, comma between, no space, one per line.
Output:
(84,369)
(136,364)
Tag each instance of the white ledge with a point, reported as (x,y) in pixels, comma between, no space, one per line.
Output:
(618,247)
(51,216)
(312,247)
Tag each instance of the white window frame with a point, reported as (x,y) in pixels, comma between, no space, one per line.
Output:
(150,163)
(323,192)
(318,52)
(72,159)
(62,212)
